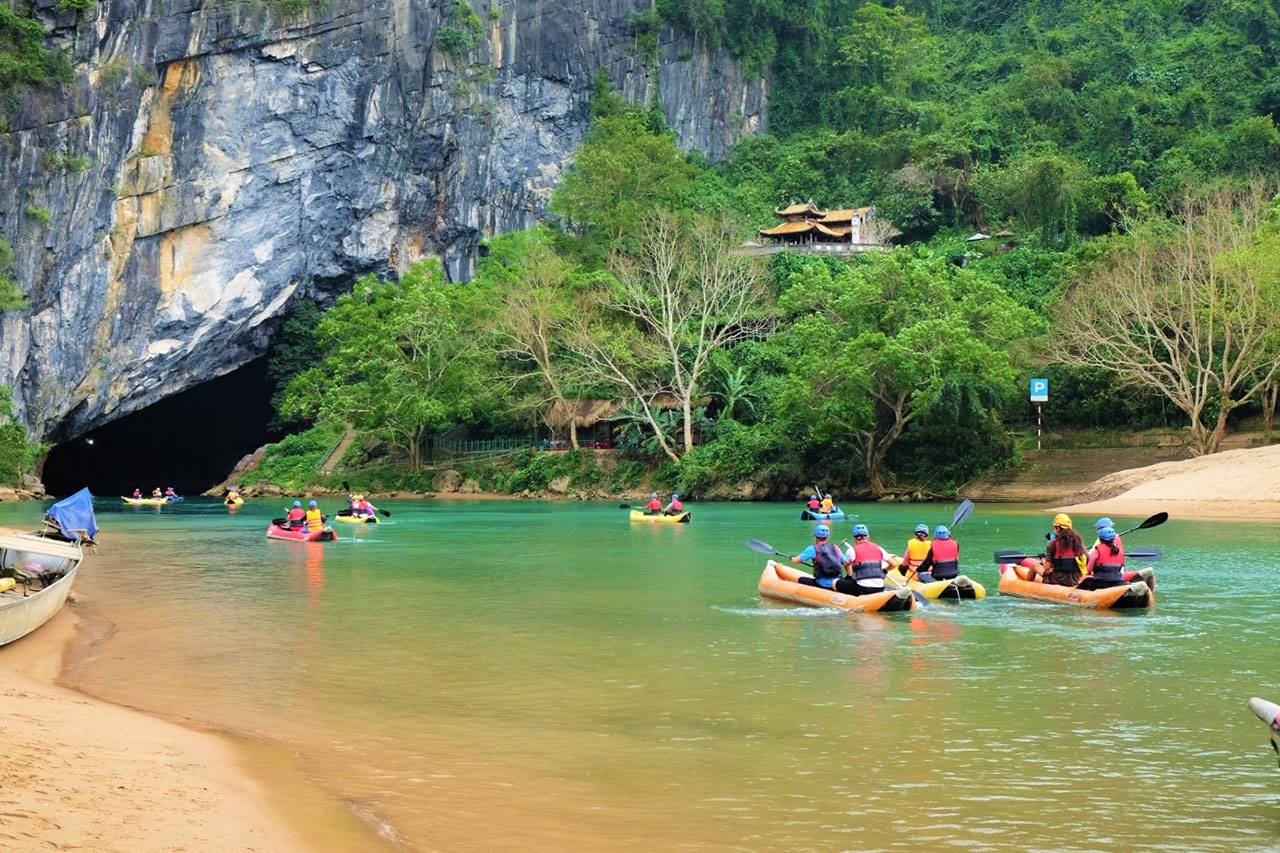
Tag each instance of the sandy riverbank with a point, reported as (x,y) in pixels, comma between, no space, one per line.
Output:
(79,773)
(1234,484)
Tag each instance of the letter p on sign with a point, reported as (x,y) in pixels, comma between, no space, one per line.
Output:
(1039,390)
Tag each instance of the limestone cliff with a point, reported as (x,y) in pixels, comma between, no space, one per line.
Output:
(213,160)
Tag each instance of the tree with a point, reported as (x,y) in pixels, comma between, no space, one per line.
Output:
(1186,308)
(872,347)
(404,359)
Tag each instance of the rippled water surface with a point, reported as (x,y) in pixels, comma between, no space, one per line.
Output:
(520,675)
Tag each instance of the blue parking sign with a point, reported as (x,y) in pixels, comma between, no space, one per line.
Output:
(1039,390)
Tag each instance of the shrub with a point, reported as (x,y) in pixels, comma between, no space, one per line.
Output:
(291,464)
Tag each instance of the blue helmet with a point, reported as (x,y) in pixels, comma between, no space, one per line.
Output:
(922,528)
(941,532)
(813,497)
(298,504)
(653,494)
(313,503)
(828,495)
(861,530)
(1104,522)
(821,531)
(1107,534)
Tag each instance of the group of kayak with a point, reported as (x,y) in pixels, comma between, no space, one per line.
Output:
(821,509)
(158,498)
(867,577)
(309,525)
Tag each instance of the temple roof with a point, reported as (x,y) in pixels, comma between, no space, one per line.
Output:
(843,215)
(797,209)
(803,227)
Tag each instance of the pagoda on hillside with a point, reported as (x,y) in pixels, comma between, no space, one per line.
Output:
(807,228)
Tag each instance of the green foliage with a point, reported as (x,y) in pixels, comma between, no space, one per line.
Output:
(40,214)
(18,455)
(11,296)
(645,25)
(293,351)
(464,35)
(291,464)
(23,58)
(77,5)
(54,162)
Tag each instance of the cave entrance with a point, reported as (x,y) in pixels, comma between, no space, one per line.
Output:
(190,440)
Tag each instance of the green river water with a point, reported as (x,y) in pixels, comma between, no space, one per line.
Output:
(515,675)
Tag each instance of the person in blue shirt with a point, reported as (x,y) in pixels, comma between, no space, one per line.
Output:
(828,562)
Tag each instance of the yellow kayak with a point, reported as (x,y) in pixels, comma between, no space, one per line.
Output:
(145,501)
(345,515)
(236,501)
(957,588)
(682,518)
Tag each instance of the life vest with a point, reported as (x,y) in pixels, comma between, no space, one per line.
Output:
(867,557)
(916,551)
(827,561)
(946,558)
(828,505)
(813,505)
(137,493)
(1108,566)
(296,514)
(1064,563)
(676,506)
(315,519)
(654,504)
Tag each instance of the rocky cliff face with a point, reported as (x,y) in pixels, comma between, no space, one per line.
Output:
(214,160)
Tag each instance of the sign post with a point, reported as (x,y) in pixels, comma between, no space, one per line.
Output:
(1039,396)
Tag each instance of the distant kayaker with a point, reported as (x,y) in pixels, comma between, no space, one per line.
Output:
(654,506)
(1064,556)
(917,549)
(828,505)
(942,563)
(1106,561)
(137,493)
(863,565)
(171,494)
(296,517)
(675,507)
(156,493)
(826,559)
(314,519)
(814,504)
(360,506)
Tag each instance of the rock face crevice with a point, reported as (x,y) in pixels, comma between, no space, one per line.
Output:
(214,160)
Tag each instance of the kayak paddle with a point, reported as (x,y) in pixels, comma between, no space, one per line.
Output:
(766,548)
(1154,521)
(1151,554)
(347,488)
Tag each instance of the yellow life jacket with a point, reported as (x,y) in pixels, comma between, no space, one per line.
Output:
(915,553)
(827,505)
(315,519)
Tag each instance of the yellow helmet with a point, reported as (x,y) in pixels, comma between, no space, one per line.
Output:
(359,497)
(1062,520)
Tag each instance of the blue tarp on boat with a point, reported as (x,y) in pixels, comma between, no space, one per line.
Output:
(74,516)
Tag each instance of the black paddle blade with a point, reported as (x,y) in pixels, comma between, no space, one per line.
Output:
(962,512)
(761,547)
(278,522)
(1153,555)
(387,513)
(1154,521)
(1011,556)
(624,506)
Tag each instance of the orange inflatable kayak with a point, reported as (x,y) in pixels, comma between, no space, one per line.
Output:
(1013,581)
(778,582)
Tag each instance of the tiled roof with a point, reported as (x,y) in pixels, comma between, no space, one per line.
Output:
(797,209)
(804,227)
(844,214)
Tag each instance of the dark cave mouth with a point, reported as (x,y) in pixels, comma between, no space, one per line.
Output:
(190,440)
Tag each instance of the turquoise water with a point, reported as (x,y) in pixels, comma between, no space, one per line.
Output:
(511,675)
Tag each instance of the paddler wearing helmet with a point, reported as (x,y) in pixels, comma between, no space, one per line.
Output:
(315,518)
(826,559)
(942,563)
(1106,560)
(360,506)
(654,507)
(917,549)
(675,507)
(1064,556)
(864,565)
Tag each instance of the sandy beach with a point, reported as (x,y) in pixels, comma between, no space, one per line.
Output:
(79,773)
(1233,485)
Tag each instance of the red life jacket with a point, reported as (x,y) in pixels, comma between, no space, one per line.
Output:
(866,561)
(676,506)
(654,504)
(1063,558)
(297,514)
(813,505)
(946,558)
(1109,566)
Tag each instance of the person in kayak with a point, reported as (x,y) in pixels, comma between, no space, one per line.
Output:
(815,505)
(826,559)
(675,507)
(232,494)
(917,547)
(1064,556)
(137,493)
(942,563)
(655,506)
(156,493)
(296,517)
(171,494)
(828,505)
(1106,561)
(1098,525)
(863,565)
(359,506)
(314,519)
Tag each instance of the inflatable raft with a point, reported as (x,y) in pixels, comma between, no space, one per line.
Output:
(1126,596)
(145,501)
(810,515)
(778,582)
(349,518)
(959,588)
(637,515)
(236,501)
(275,531)
(1268,712)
